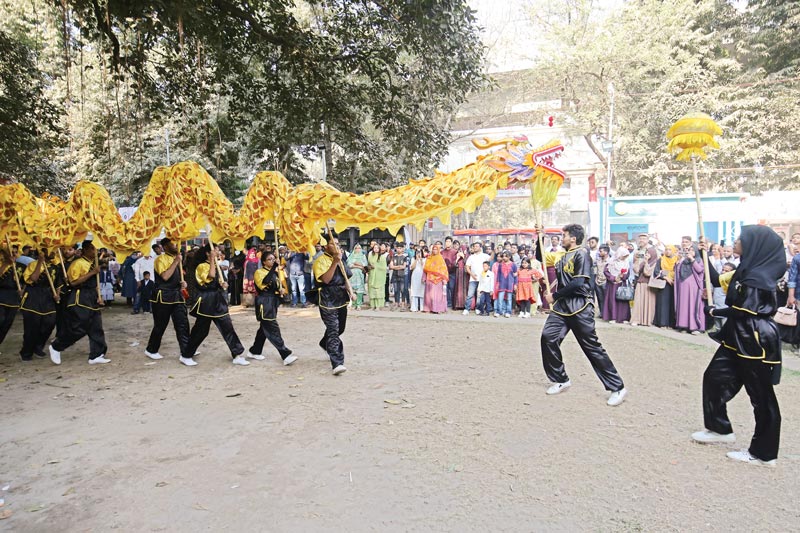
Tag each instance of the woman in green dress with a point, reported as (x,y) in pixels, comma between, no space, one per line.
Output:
(378,268)
(357,261)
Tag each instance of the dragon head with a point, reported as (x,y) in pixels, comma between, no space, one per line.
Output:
(525,163)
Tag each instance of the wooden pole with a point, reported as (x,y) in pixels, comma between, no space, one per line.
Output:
(214,252)
(696,183)
(341,266)
(97,277)
(540,233)
(63,268)
(13,264)
(50,279)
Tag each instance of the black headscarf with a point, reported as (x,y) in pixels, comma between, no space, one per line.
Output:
(763,260)
(685,268)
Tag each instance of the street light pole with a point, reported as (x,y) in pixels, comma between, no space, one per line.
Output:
(607,229)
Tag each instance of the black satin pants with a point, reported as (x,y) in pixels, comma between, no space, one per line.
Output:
(7,315)
(582,326)
(335,321)
(162,313)
(723,379)
(269,330)
(36,330)
(200,331)
(78,323)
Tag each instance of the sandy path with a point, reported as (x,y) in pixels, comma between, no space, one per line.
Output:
(472,444)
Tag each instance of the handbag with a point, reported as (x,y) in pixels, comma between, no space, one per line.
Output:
(625,292)
(786,316)
(657,283)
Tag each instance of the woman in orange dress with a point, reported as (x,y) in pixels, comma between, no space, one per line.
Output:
(436,276)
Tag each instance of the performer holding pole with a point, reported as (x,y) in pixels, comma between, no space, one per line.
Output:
(62,283)
(38,307)
(211,306)
(83,312)
(572,309)
(168,303)
(749,354)
(269,294)
(334,295)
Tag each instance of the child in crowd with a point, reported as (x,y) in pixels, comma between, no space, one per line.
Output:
(107,281)
(146,291)
(485,290)
(525,293)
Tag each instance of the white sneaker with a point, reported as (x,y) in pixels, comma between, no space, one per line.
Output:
(188,361)
(617,397)
(556,388)
(156,356)
(256,356)
(289,360)
(99,360)
(497,315)
(746,457)
(55,356)
(507,315)
(339,370)
(708,437)
(240,360)
(466,312)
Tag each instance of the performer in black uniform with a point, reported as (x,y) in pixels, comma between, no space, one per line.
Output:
(83,310)
(9,294)
(168,303)
(38,307)
(572,308)
(333,300)
(62,284)
(210,306)
(750,347)
(269,293)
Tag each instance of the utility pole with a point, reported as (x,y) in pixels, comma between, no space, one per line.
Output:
(607,229)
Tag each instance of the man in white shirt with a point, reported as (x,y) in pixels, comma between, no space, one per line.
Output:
(474,267)
(146,263)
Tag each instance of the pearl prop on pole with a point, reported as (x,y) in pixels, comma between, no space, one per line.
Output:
(690,137)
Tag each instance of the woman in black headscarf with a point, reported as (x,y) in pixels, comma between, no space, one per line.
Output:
(750,349)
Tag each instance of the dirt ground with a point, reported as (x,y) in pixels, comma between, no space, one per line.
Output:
(440,424)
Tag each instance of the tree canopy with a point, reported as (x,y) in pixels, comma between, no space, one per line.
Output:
(665,59)
(247,86)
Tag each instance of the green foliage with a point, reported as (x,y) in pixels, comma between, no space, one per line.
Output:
(249,86)
(666,59)
(28,120)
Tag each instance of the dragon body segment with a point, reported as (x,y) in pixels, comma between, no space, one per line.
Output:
(184,198)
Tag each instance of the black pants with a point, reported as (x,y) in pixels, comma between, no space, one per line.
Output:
(162,313)
(723,379)
(36,330)
(80,322)
(269,330)
(335,321)
(524,306)
(600,292)
(582,326)
(61,312)
(7,315)
(225,327)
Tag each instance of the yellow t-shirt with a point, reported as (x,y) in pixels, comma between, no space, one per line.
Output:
(162,263)
(78,268)
(322,265)
(29,270)
(259,277)
(201,274)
